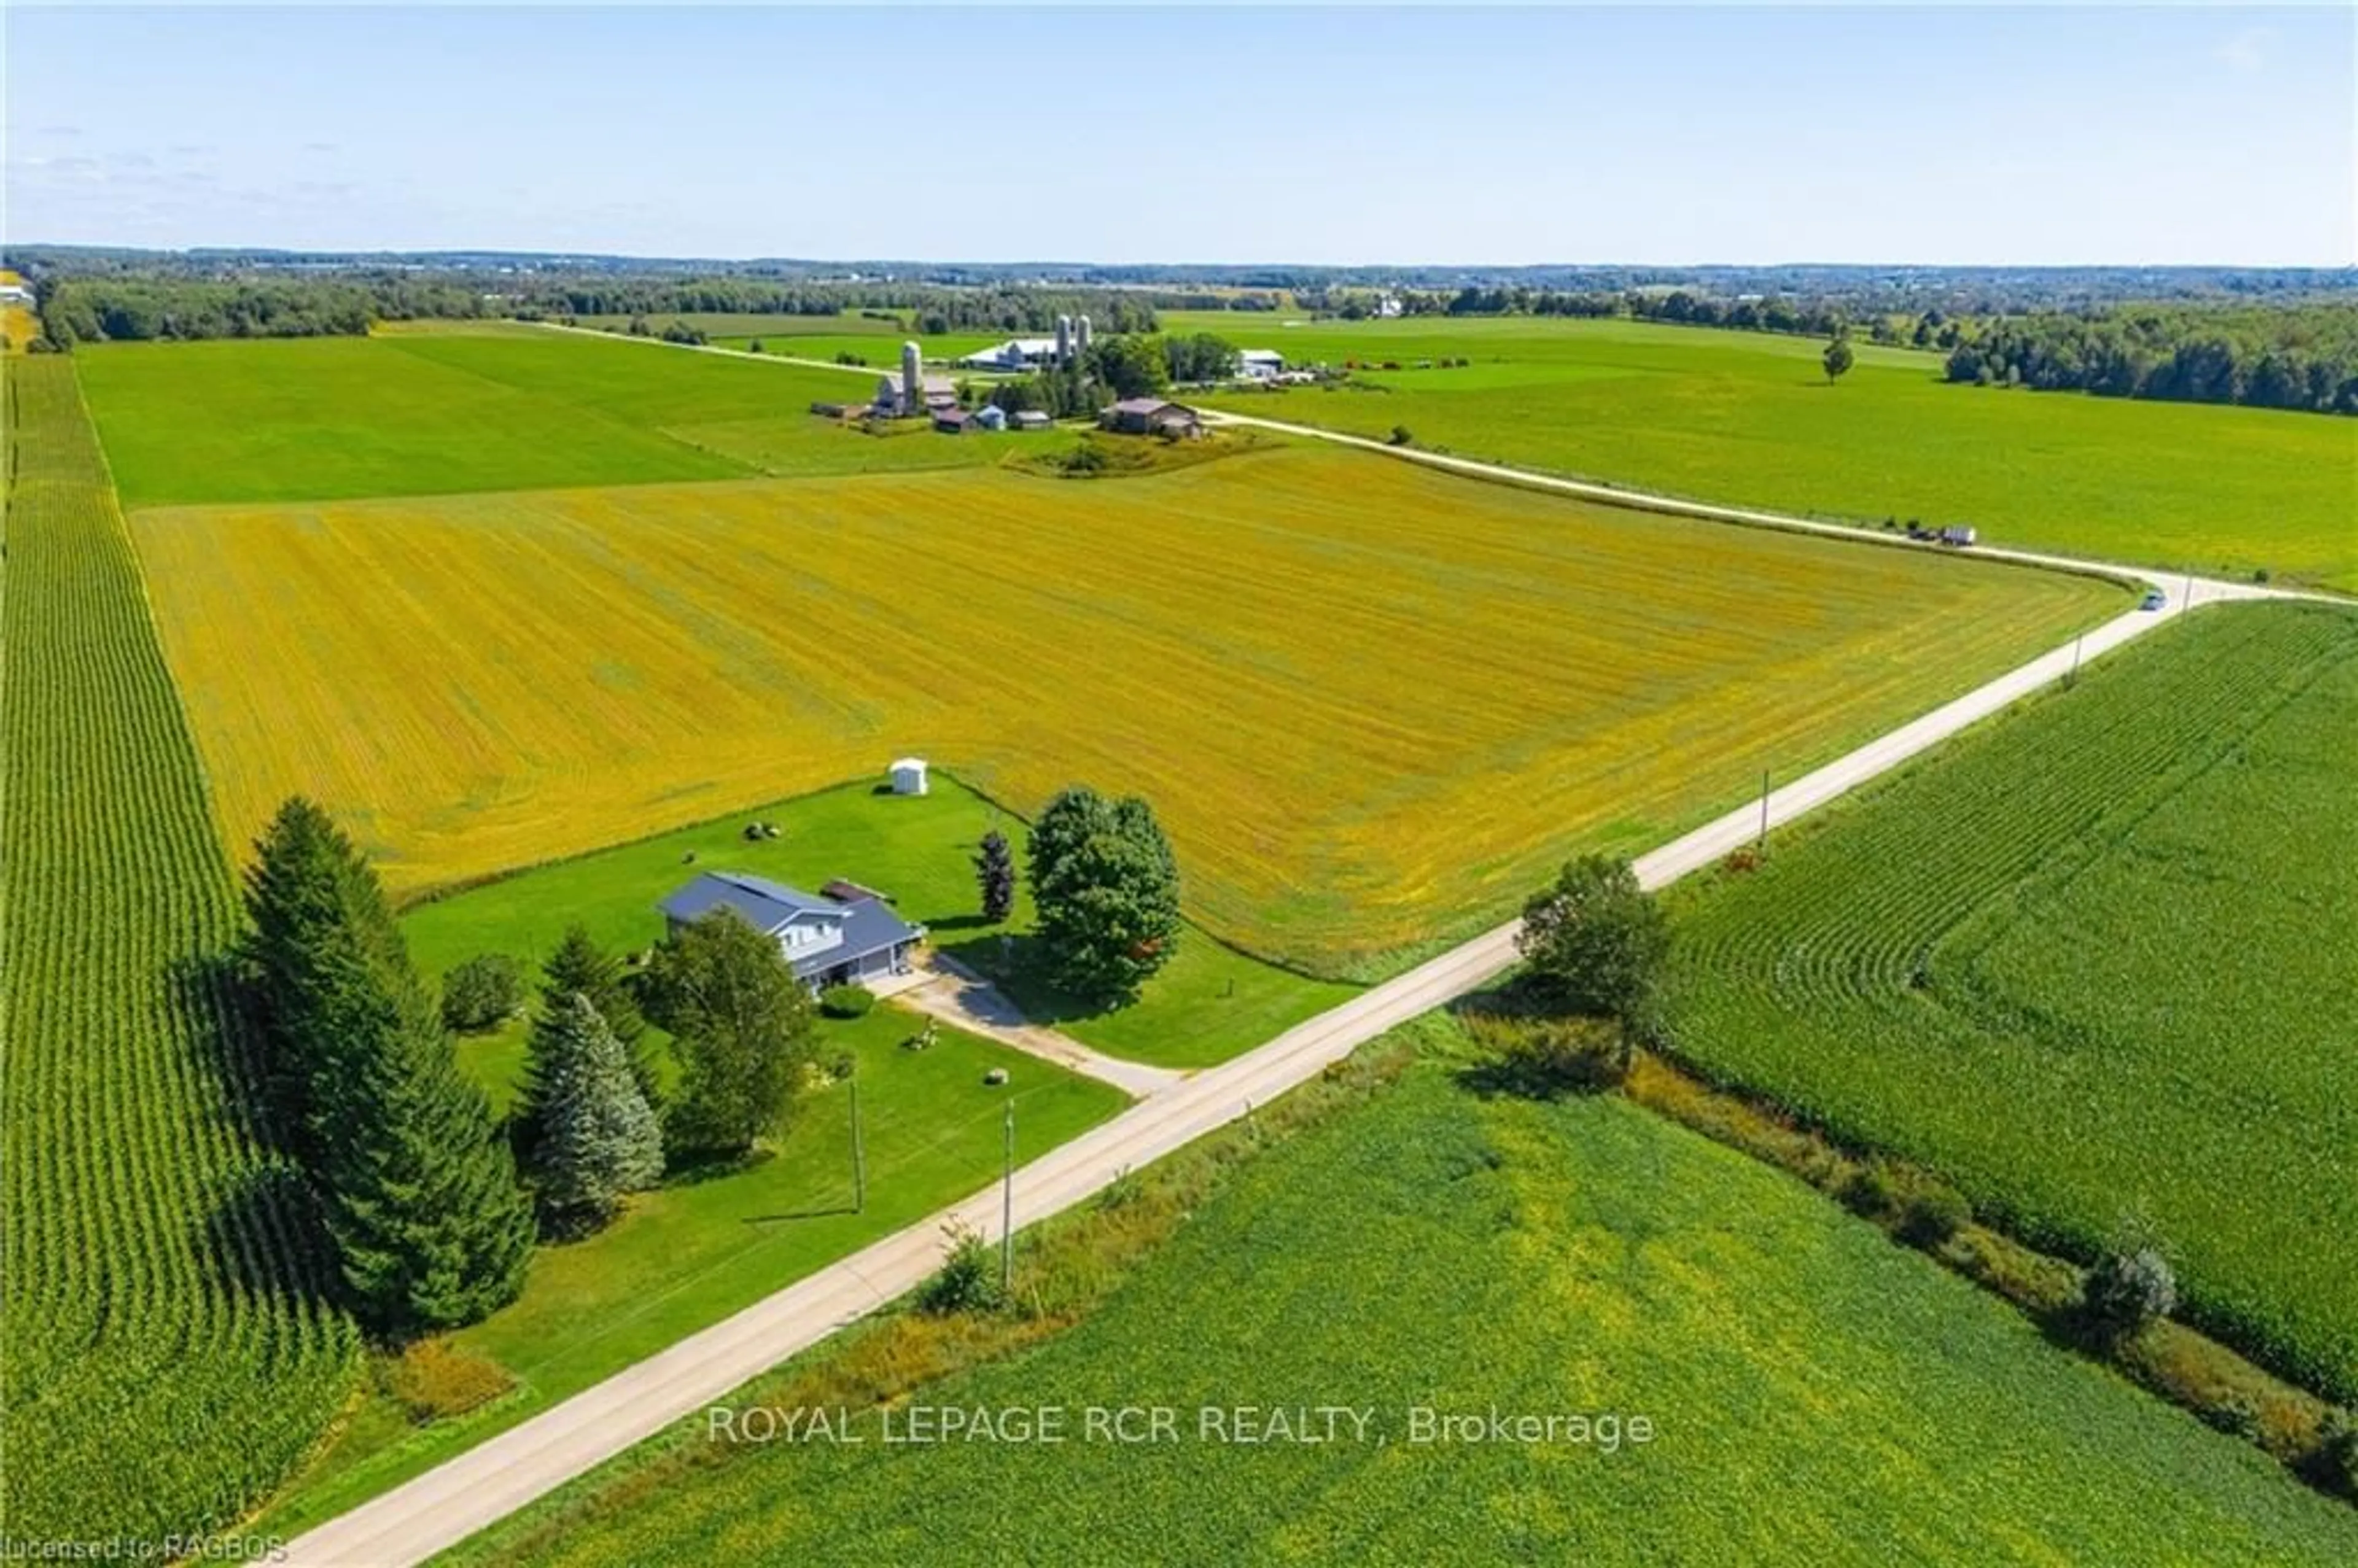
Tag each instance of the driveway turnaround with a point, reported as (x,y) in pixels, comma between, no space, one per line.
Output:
(950,991)
(448,1504)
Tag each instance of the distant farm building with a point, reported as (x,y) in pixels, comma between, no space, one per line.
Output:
(845,937)
(1070,344)
(1260,364)
(894,399)
(1016,353)
(1151,417)
(991,417)
(909,775)
(1032,419)
(955,421)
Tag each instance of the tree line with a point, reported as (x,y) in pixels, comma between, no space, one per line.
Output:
(129,304)
(2302,358)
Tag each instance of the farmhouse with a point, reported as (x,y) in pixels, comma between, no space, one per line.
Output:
(1260,364)
(843,936)
(1151,417)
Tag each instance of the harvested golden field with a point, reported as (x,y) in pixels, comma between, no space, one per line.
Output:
(1371,702)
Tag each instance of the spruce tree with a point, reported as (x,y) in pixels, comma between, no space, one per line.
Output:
(579,966)
(599,1139)
(293,894)
(994,870)
(420,1197)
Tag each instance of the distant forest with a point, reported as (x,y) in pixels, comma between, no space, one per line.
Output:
(2276,339)
(2297,354)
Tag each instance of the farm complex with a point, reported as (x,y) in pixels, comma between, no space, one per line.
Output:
(681,912)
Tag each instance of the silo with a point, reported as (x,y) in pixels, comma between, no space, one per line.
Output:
(1064,342)
(1081,338)
(913,379)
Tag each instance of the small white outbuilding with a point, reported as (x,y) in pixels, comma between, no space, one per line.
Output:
(909,776)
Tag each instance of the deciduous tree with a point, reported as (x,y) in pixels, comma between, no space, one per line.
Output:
(740,1024)
(1107,889)
(1129,365)
(1595,942)
(1838,357)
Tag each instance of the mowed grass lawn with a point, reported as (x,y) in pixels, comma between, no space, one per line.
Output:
(472,409)
(1207,1005)
(2096,962)
(1748,417)
(1816,1393)
(691,1253)
(1371,703)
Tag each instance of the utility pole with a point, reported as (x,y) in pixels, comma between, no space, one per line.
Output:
(1007,1212)
(1763,844)
(859,1154)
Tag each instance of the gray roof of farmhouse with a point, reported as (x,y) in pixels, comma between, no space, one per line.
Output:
(868,926)
(765,904)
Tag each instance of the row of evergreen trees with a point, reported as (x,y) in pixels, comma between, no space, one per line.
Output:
(431,1206)
(417,1191)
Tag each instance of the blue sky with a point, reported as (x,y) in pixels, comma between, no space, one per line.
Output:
(2119,134)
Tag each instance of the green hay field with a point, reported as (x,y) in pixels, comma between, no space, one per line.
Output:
(2094,963)
(1815,1393)
(1748,417)
(486,409)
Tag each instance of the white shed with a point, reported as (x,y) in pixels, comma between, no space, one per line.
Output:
(909,776)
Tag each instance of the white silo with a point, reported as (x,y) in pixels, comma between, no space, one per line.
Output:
(913,379)
(1081,338)
(1064,342)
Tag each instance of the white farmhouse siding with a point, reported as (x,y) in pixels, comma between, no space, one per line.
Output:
(807,936)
